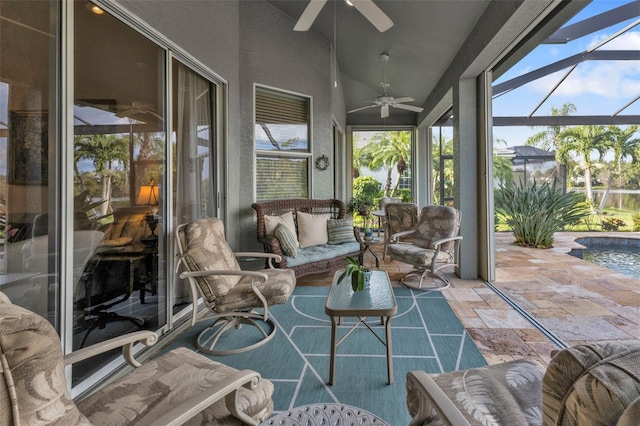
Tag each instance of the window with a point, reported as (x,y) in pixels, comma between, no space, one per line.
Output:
(282,144)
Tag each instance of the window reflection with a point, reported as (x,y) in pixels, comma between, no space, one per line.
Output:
(119,146)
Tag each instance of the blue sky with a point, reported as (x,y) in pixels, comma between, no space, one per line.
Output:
(594,87)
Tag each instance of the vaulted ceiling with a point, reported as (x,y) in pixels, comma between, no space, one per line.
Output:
(421,44)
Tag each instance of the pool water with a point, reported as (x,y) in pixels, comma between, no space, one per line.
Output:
(623,257)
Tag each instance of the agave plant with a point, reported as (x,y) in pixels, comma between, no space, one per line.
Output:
(535,213)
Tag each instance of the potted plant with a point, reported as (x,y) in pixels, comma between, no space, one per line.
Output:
(359,205)
(360,275)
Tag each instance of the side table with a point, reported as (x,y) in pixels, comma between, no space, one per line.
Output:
(325,414)
(373,242)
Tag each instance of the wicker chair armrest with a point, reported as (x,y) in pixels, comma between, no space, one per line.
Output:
(425,398)
(271,245)
(126,341)
(226,388)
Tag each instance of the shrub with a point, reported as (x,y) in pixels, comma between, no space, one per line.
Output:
(636,222)
(366,188)
(534,213)
(610,223)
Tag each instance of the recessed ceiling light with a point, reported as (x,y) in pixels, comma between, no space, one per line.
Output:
(95,9)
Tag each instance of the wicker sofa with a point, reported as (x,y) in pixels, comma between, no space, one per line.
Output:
(313,259)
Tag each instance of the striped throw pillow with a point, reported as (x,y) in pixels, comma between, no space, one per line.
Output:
(340,231)
(287,241)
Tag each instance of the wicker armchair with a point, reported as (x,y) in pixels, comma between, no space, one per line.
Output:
(331,259)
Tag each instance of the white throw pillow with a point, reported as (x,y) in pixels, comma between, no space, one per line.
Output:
(312,229)
(271,222)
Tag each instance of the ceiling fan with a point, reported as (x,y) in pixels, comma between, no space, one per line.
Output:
(136,108)
(385,101)
(368,8)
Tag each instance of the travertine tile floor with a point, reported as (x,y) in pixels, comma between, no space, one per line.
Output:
(572,299)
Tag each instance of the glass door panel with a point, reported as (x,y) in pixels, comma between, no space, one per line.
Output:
(29,187)
(119,176)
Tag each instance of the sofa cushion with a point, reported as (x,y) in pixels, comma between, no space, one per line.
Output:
(591,384)
(271,222)
(288,242)
(340,231)
(312,229)
(322,252)
(167,381)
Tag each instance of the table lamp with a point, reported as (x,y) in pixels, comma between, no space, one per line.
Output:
(148,196)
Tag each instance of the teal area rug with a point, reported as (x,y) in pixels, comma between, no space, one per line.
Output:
(426,335)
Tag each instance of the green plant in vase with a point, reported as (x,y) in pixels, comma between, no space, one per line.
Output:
(359,274)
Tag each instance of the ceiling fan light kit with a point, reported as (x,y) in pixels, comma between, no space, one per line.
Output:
(367,8)
(385,101)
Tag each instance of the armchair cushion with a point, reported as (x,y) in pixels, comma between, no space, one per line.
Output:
(279,286)
(507,393)
(591,384)
(416,255)
(436,223)
(151,390)
(32,370)
(208,250)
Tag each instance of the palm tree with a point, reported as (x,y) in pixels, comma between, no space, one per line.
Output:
(446,144)
(623,147)
(104,151)
(583,141)
(549,139)
(389,150)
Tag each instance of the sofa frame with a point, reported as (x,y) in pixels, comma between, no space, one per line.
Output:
(335,207)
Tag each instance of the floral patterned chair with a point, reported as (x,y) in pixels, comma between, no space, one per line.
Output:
(398,217)
(177,387)
(586,385)
(435,244)
(231,294)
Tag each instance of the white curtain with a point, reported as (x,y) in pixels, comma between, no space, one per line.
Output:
(193,119)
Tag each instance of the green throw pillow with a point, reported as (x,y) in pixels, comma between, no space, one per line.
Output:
(340,231)
(287,241)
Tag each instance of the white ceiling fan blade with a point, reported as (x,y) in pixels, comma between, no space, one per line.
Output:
(384,111)
(374,14)
(360,109)
(405,99)
(408,107)
(309,15)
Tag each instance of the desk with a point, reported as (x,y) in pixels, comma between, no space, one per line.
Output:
(376,301)
(137,255)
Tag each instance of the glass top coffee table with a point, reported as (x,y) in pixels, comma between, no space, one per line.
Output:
(378,300)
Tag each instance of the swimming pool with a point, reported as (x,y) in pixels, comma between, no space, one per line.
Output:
(618,254)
